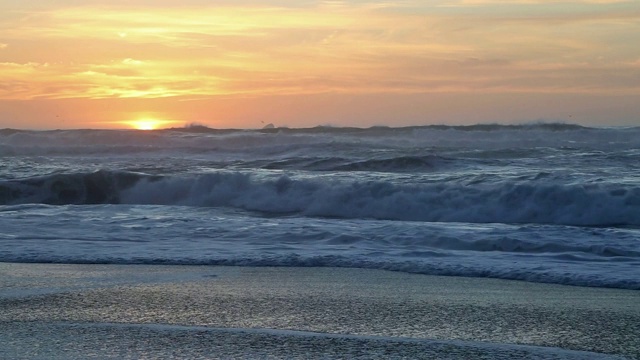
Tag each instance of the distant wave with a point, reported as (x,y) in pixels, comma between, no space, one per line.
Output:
(605,204)
(293,142)
(380,129)
(201,129)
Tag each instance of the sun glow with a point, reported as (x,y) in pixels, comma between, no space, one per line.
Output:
(147,124)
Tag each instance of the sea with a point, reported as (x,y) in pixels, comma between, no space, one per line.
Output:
(544,202)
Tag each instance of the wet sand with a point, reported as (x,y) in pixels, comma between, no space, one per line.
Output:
(153,311)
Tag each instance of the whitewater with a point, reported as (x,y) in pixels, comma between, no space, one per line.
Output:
(550,203)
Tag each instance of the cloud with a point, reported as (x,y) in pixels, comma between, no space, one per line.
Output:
(330,47)
(531,2)
(130,61)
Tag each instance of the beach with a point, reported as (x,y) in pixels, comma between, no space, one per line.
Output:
(158,311)
(451,179)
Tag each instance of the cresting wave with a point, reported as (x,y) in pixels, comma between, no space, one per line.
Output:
(100,187)
(505,201)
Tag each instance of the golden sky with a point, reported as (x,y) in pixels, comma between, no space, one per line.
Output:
(243,63)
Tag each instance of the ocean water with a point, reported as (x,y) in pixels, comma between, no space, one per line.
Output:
(549,203)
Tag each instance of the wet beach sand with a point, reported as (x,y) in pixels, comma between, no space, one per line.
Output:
(50,311)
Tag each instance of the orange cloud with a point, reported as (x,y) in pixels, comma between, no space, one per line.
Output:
(100,52)
(531,2)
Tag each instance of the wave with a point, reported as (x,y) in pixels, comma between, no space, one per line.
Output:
(578,251)
(200,129)
(395,164)
(502,202)
(100,187)
(552,126)
(308,141)
(391,164)
(598,204)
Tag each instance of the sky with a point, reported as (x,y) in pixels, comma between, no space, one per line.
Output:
(247,63)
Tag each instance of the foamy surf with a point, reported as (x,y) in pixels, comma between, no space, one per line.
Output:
(182,235)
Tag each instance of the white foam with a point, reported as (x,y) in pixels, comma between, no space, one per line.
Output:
(122,234)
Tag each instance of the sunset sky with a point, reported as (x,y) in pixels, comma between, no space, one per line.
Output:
(244,63)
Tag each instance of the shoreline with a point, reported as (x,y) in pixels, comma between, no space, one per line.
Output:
(345,302)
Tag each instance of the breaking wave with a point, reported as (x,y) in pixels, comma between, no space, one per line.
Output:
(505,201)
(100,187)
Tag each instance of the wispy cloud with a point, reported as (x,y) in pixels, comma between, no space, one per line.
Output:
(331,46)
(531,2)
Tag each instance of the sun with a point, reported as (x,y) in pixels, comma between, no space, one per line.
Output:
(149,123)
(146,124)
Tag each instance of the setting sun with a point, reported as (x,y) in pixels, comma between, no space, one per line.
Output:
(148,124)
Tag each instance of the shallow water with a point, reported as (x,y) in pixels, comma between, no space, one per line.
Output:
(140,311)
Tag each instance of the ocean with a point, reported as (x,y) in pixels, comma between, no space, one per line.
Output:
(546,203)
